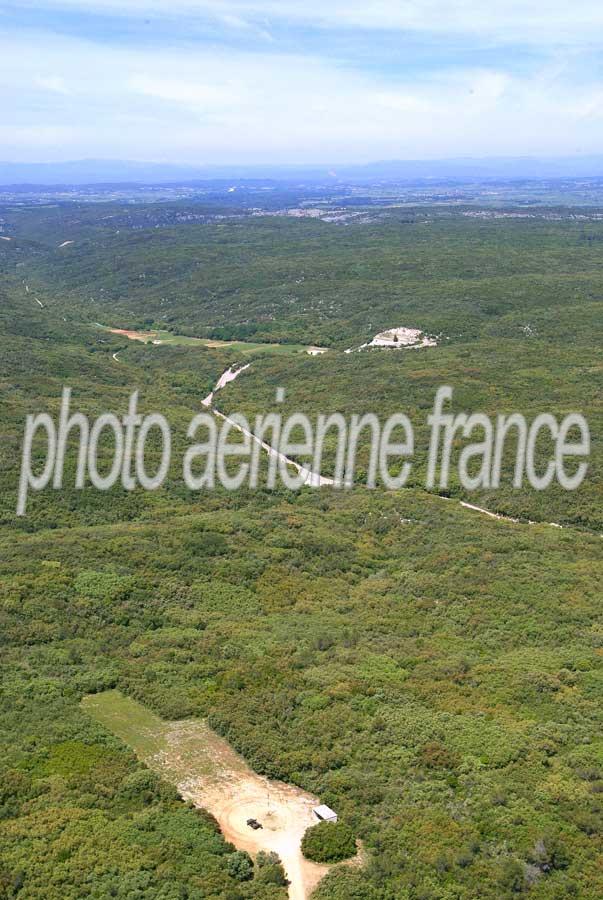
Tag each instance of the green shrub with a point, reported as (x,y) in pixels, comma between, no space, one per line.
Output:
(329,842)
(239,865)
(270,869)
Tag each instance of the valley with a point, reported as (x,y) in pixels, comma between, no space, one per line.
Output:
(427,663)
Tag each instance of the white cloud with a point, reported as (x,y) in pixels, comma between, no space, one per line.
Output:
(213,106)
(506,20)
(194,94)
(53,137)
(53,83)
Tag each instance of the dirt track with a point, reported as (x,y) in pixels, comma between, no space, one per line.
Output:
(225,785)
(284,812)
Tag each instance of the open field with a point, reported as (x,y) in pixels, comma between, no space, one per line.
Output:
(207,771)
(246,348)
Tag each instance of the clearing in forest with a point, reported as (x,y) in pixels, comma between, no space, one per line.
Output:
(244,347)
(207,771)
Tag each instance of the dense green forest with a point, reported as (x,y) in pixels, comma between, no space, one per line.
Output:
(515,305)
(304,280)
(433,675)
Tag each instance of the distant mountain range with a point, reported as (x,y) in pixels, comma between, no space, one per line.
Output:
(105,171)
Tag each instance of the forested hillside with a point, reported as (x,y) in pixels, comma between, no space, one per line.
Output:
(432,674)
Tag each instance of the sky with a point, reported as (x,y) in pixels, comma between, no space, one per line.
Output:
(299,81)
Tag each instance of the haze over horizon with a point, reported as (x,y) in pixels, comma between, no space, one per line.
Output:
(243,82)
(111,171)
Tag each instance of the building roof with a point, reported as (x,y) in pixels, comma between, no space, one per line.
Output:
(325,812)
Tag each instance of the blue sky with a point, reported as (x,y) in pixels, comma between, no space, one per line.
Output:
(246,81)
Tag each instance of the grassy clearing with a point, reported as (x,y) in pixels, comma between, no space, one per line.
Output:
(247,348)
(137,726)
(208,772)
(174,749)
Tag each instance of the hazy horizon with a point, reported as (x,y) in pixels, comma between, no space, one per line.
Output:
(66,159)
(97,171)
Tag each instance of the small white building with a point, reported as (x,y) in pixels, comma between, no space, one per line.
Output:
(325,814)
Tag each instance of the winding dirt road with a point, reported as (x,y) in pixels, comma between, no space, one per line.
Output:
(314,479)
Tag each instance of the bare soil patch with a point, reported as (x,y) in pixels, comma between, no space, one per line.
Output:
(209,773)
(135,335)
